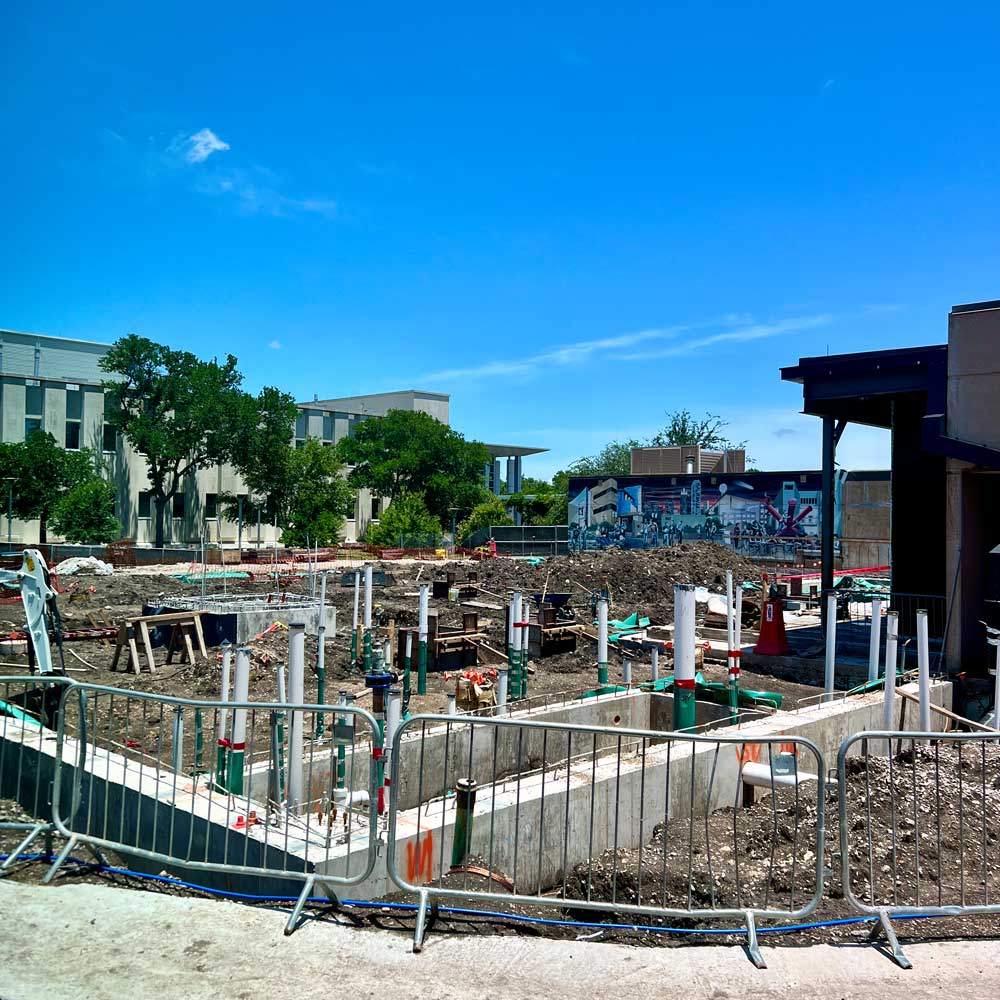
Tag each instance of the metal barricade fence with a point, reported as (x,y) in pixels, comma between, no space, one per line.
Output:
(919,825)
(256,791)
(29,706)
(606,819)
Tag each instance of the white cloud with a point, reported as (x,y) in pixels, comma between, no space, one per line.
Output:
(275,345)
(202,145)
(258,194)
(611,348)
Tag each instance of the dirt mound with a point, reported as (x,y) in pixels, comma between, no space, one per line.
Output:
(636,580)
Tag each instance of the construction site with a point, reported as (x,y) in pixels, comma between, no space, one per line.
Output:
(642,747)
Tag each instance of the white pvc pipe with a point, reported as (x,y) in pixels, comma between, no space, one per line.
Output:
(510,622)
(409,648)
(738,619)
(357,597)
(655,656)
(502,680)
(227,660)
(891,660)
(875,639)
(516,633)
(729,610)
(393,716)
(241,692)
(280,670)
(924,671)
(831,646)
(627,672)
(452,707)
(422,614)
(296,696)
(368,595)
(684,634)
(387,654)
(602,631)
(322,601)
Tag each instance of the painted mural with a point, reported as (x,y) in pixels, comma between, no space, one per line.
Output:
(746,510)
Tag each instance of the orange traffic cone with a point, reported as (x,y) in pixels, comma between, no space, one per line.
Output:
(772,640)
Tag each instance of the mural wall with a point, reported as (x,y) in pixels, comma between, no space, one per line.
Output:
(747,510)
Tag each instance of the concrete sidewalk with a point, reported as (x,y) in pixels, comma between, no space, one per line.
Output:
(94,942)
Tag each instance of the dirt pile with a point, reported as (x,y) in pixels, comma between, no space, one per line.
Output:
(637,581)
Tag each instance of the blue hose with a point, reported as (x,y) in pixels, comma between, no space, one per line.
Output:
(467,911)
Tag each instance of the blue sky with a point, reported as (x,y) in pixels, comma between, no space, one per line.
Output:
(571,217)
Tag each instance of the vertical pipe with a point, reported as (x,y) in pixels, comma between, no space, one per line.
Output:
(387,655)
(602,642)
(422,640)
(452,707)
(626,671)
(737,656)
(684,639)
(407,666)
(321,656)
(199,743)
(279,733)
(394,711)
(924,671)
(368,595)
(354,626)
(655,657)
(178,746)
(515,666)
(222,746)
(502,673)
(341,750)
(891,659)
(525,649)
(465,804)
(831,646)
(827,505)
(241,693)
(875,639)
(296,696)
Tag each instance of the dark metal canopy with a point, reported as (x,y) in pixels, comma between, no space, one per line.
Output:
(860,388)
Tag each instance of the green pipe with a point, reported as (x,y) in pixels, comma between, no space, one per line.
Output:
(465,803)
(320,678)
(199,743)
(354,647)
(368,650)
(422,667)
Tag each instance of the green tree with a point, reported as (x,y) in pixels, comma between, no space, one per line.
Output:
(411,452)
(42,473)
(86,513)
(484,515)
(181,413)
(264,456)
(614,459)
(318,497)
(406,518)
(684,429)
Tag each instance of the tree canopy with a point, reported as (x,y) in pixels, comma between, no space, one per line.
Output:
(614,459)
(317,497)
(490,512)
(411,452)
(86,514)
(43,473)
(405,522)
(181,413)
(684,429)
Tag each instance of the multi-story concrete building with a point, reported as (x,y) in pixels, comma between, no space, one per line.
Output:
(56,384)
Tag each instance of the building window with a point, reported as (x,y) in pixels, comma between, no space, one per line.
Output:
(38,362)
(328,427)
(211,506)
(145,503)
(74,414)
(301,424)
(109,440)
(376,508)
(177,505)
(73,435)
(32,424)
(34,407)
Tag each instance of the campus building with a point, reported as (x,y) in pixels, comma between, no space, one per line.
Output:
(56,384)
